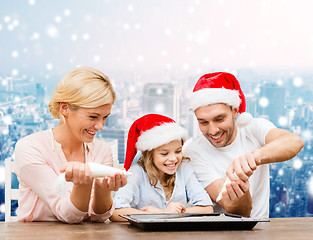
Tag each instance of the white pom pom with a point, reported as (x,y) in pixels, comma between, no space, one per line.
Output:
(244,119)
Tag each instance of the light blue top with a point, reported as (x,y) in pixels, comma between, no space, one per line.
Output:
(138,192)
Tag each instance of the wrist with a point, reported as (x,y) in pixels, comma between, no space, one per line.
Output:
(258,156)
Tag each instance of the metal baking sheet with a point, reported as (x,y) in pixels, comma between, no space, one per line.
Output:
(191,221)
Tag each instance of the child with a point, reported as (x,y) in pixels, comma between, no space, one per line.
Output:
(161,181)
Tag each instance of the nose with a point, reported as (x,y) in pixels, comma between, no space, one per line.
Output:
(100,124)
(172,156)
(212,129)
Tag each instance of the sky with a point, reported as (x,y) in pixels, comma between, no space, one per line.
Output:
(49,38)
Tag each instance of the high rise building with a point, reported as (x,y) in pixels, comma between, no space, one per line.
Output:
(273,97)
(160,98)
(120,135)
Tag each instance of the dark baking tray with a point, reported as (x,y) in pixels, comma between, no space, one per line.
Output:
(191,221)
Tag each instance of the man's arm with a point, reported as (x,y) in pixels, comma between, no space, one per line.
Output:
(236,199)
(280,145)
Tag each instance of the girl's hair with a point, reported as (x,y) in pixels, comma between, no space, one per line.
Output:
(146,162)
(82,87)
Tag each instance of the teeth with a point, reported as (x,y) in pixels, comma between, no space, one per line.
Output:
(170,165)
(216,137)
(91,132)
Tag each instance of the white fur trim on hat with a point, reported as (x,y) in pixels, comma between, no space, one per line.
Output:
(161,135)
(244,119)
(209,96)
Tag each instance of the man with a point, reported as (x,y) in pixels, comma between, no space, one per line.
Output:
(231,157)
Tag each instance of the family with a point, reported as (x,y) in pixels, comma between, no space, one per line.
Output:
(226,169)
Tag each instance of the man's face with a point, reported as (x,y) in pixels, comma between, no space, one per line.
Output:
(217,123)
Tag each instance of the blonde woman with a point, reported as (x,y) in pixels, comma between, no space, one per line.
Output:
(82,101)
(161,181)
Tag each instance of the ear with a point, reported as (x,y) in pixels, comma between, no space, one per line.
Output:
(235,112)
(64,108)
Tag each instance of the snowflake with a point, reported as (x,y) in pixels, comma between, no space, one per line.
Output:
(297,163)
(263,102)
(2,206)
(126,26)
(283,121)
(35,36)
(15,54)
(14,72)
(7,120)
(74,37)
(297,82)
(86,36)
(140,58)
(31,2)
(96,58)
(67,12)
(52,31)
(57,19)
(49,66)
(7,19)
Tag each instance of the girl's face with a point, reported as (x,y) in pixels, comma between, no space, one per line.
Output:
(168,157)
(85,122)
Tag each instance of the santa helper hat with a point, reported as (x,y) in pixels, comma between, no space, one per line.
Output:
(221,87)
(150,132)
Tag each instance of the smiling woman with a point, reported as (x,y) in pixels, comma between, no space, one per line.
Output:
(82,101)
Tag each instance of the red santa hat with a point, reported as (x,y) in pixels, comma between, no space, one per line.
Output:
(221,87)
(150,132)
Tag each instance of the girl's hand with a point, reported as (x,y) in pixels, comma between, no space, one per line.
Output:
(175,207)
(151,209)
(112,183)
(78,173)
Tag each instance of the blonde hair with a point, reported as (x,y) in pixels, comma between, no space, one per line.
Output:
(146,162)
(82,87)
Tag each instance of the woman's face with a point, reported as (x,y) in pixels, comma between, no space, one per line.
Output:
(85,122)
(168,157)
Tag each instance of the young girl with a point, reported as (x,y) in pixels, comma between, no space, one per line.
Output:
(82,101)
(161,181)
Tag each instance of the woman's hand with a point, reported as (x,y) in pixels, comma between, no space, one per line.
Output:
(112,183)
(78,173)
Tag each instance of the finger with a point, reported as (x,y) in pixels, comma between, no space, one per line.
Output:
(252,161)
(244,161)
(87,173)
(111,183)
(244,186)
(238,169)
(69,172)
(225,197)
(118,181)
(237,189)
(82,179)
(231,193)
(124,180)
(76,173)
(230,173)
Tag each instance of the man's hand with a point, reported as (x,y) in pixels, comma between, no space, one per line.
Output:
(237,198)
(243,167)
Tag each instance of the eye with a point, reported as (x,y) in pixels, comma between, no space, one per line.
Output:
(203,123)
(93,117)
(163,154)
(178,151)
(219,120)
